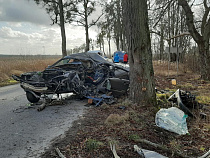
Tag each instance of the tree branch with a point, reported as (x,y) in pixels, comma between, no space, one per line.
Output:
(162,147)
(190,21)
(163,12)
(59,153)
(204,19)
(94,22)
(168,39)
(179,35)
(79,22)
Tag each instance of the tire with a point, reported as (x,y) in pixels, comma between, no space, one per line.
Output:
(31,97)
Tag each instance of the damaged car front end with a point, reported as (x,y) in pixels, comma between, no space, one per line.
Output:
(85,74)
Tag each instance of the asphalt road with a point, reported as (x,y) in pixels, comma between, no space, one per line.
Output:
(25,132)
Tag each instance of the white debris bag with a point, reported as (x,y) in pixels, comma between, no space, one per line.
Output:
(172,119)
(147,153)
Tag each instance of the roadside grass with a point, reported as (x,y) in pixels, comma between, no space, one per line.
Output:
(8,82)
(17,66)
(92,144)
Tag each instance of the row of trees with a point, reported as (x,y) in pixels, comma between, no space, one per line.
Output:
(177,23)
(70,11)
(131,24)
(172,21)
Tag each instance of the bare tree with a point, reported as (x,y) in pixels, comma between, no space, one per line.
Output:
(84,9)
(59,12)
(106,29)
(201,37)
(100,40)
(113,24)
(142,86)
(168,22)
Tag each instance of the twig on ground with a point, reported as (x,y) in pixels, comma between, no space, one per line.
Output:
(162,147)
(114,150)
(59,153)
(206,155)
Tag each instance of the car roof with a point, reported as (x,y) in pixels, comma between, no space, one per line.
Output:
(87,56)
(95,51)
(119,52)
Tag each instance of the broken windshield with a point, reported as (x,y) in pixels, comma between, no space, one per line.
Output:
(63,62)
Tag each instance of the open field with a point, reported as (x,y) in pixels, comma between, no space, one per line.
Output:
(19,64)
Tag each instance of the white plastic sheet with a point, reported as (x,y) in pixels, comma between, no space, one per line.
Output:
(172,119)
(147,153)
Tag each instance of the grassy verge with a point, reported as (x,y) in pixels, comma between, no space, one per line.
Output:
(18,65)
(8,82)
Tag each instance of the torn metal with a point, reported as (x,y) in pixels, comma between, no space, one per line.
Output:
(185,100)
(143,153)
(85,74)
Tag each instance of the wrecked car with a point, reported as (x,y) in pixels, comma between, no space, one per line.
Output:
(85,74)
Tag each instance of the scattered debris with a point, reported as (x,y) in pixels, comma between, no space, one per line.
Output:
(179,96)
(21,109)
(206,155)
(186,102)
(122,107)
(112,146)
(147,153)
(173,82)
(48,102)
(103,98)
(139,151)
(162,147)
(59,153)
(172,119)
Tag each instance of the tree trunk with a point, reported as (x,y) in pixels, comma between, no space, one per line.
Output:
(121,41)
(103,46)
(204,59)
(87,48)
(62,26)
(117,42)
(109,43)
(161,42)
(142,86)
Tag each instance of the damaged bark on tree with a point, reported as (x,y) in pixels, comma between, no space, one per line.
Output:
(142,87)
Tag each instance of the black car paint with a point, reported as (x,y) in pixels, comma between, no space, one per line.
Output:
(88,74)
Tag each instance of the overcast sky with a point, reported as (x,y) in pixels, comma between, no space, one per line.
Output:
(25,29)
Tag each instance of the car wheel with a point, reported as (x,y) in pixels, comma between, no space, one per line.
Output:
(31,97)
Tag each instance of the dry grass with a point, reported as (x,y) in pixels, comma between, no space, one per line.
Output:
(170,69)
(17,66)
(114,119)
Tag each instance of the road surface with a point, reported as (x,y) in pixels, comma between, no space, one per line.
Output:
(25,132)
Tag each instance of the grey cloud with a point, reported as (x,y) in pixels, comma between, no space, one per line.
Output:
(8,33)
(23,11)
